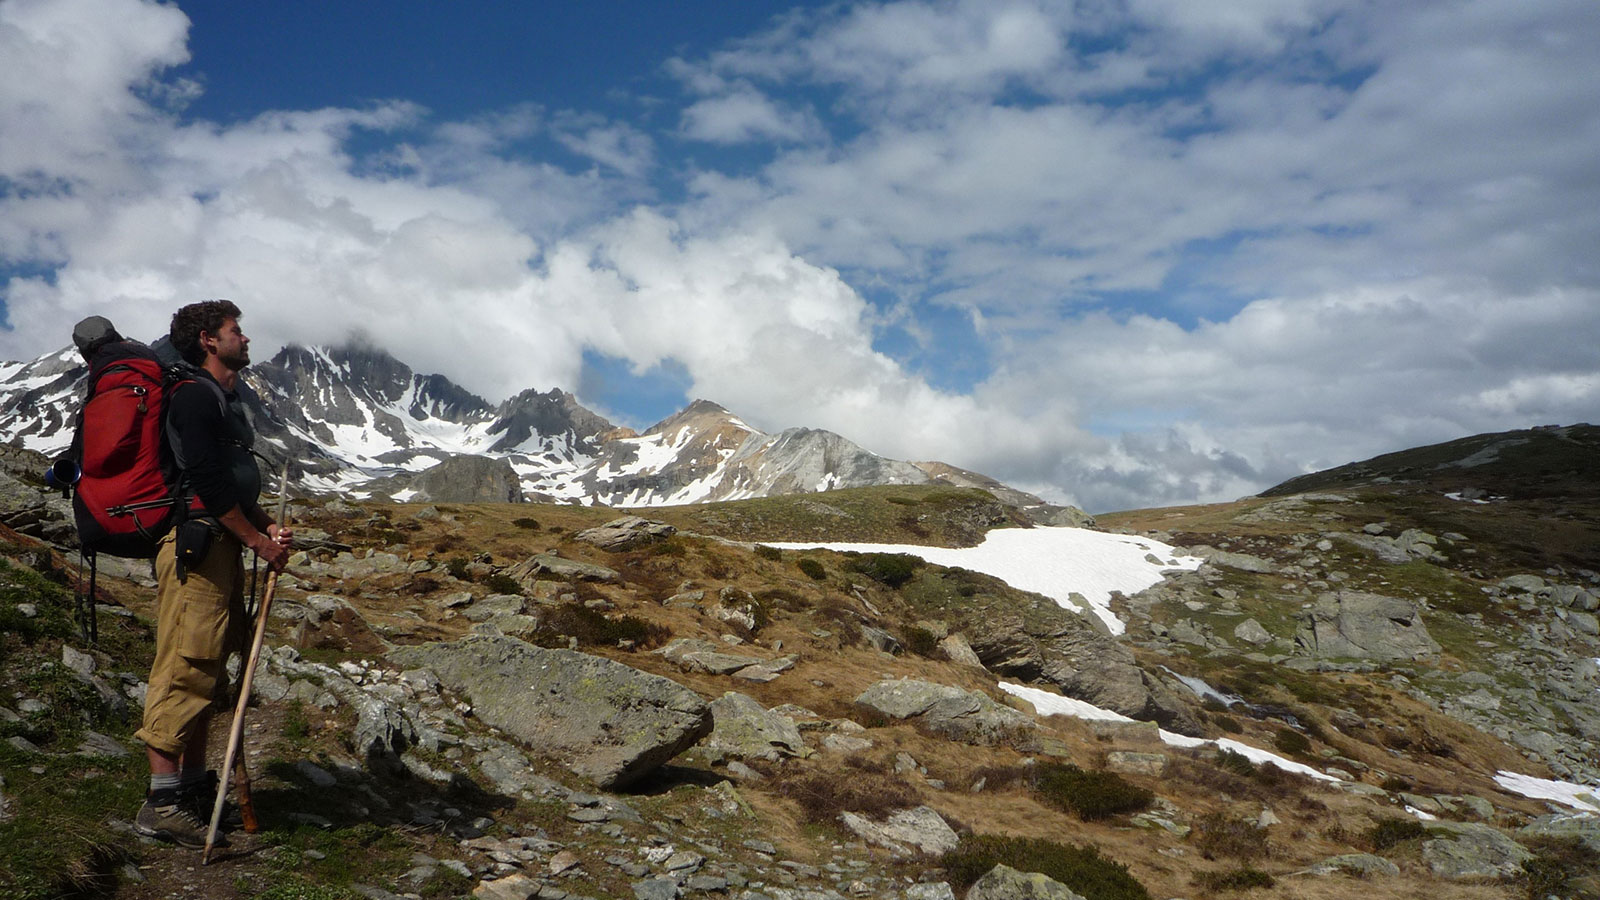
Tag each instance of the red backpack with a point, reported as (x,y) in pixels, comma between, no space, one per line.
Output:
(123,502)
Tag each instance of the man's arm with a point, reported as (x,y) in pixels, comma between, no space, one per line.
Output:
(197,423)
(269,542)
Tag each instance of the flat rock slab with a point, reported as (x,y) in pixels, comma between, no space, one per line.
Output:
(603,720)
(625,533)
(1005,883)
(744,729)
(526,571)
(917,830)
(1464,851)
(960,715)
(1360,865)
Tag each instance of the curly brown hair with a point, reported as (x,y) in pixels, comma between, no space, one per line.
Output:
(188,322)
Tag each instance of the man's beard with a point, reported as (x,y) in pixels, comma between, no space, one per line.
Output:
(236,362)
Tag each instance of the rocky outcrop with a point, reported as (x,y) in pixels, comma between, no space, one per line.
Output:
(1359,625)
(527,571)
(1005,883)
(1360,865)
(744,729)
(966,716)
(601,719)
(625,533)
(1065,649)
(1464,851)
(907,832)
(468,479)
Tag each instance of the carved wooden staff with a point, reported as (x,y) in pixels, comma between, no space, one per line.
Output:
(236,733)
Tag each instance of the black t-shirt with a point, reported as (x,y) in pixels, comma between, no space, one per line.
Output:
(212,445)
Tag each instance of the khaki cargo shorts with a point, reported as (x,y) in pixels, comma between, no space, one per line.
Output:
(198,623)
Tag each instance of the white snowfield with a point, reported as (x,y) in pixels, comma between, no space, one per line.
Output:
(1056,705)
(1055,562)
(1577,796)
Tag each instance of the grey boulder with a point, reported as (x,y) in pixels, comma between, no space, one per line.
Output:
(605,721)
(1355,624)
(1462,851)
(468,479)
(1005,883)
(744,729)
(526,572)
(965,716)
(625,533)
(906,832)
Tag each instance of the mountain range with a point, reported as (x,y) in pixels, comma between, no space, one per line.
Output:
(357,421)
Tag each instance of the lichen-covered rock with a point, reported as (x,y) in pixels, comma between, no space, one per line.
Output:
(744,729)
(603,720)
(966,716)
(1005,883)
(468,479)
(625,533)
(526,571)
(1359,625)
(1360,865)
(917,830)
(1466,850)
(1050,644)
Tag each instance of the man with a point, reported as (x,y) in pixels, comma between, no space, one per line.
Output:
(200,569)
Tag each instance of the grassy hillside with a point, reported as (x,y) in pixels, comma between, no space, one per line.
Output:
(1105,808)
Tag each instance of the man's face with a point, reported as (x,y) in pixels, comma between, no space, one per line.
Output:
(229,344)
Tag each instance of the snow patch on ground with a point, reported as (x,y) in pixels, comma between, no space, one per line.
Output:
(1055,562)
(1056,705)
(1578,796)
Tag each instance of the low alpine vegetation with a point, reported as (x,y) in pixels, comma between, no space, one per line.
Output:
(1082,869)
(1088,794)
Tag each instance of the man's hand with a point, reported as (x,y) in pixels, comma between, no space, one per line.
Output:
(273,550)
(280,533)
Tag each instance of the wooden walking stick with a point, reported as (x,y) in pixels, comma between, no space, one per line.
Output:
(236,733)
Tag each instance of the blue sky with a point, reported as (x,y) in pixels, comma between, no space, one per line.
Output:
(1120,253)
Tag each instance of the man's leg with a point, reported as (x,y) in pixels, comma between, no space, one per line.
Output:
(190,621)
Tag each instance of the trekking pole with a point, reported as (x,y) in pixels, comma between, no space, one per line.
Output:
(236,733)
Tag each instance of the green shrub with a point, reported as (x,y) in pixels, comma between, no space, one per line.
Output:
(1291,742)
(772,553)
(1082,869)
(1561,867)
(593,628)
(1237,763)
(1218,835)
(891,569)
(1089,795)
(525,522)
(457,567)
(1234,880)
(812,569)
(1230,725)
(1389,832)
(920,641)
(501,583)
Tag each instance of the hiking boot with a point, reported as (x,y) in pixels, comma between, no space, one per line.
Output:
(167,816)
(202,798)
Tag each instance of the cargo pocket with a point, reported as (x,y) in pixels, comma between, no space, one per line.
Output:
(202,625)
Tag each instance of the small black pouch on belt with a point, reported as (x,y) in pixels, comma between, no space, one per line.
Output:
(193,542)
